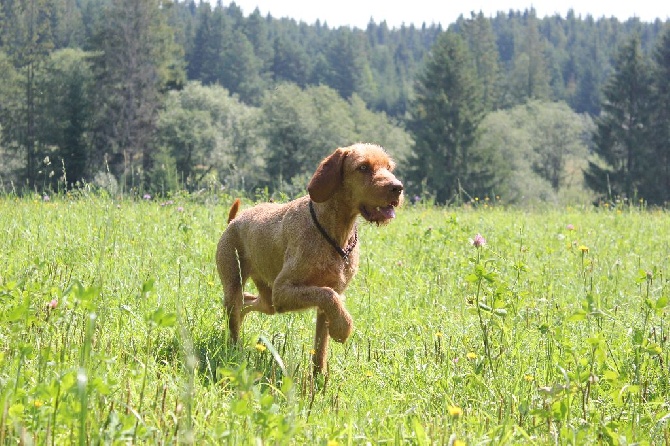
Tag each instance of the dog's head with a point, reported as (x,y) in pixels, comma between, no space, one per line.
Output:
(363,174)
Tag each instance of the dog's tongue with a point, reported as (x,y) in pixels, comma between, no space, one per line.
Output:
(388,212)
(378,214)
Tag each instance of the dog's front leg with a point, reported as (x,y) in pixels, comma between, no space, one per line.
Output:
(320,343)
(288,297)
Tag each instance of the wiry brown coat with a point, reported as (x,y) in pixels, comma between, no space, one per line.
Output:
(292,264)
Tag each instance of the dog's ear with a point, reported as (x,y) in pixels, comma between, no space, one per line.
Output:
(328,177)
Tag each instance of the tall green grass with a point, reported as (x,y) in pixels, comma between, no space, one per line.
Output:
(555,332)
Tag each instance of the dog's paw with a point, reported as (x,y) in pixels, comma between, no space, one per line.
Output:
(340,328)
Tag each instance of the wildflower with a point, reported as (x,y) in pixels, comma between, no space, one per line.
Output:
(478,241)
(584,249)
(53,304)
(261,347)
(471,355)
(570,227)
(312,352)
(147,197)
(38,403)
(458,443)
(439,334)
(180,209)
(368,374)
(528,377)
(455,411)
(46,198)
(333,443)
(455,360)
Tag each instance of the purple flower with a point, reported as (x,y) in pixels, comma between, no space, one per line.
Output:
(147,197)
(570,227)
(46,198)
(180,209)
(53,304)
(478,241)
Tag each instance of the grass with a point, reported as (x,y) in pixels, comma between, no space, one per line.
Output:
(553,332)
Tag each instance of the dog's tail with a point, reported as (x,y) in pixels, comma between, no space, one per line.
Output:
(233,210)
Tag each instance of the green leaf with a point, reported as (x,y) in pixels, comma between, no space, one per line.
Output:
(162,318)
(16,410)
(471,278)
(578,315)
(148,286)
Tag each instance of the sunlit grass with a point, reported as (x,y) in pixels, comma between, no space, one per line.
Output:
(554,331)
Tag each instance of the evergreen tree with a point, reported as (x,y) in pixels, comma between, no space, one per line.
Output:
(136,61)
(290,62)
(622,129)
(658,176)
(445,116)
(64,110)
(481,42)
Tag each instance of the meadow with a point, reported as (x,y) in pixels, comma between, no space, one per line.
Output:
(555,331)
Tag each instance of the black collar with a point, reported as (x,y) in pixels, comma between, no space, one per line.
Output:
(343,252)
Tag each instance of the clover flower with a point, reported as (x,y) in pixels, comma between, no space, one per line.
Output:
(478,241)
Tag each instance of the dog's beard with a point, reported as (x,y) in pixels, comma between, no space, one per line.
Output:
(378,214)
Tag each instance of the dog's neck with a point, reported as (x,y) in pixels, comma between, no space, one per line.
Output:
(337,220)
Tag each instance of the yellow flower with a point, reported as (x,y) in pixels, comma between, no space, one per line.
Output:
(38,403)
(584,249)
(333,443)
(471,355)
(261,347)
(312,352)
(455,411)
(528,377)
(459,443)
(439,334)
(368,374)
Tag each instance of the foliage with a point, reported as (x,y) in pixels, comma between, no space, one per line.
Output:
(658,185)
(621,136)
(141,50)
(445,116)
(65,106)
(135,59)
(208,134)
(536,151)
(552,330)
(304,126)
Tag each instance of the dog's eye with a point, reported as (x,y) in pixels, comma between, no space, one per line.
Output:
(363,167)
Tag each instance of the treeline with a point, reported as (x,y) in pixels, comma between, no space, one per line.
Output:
(160,95)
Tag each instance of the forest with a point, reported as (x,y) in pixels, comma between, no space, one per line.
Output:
(156,96)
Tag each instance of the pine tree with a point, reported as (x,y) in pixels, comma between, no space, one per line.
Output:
(621,137)
(137,60)
(658,187)
(481,41)
(445,116)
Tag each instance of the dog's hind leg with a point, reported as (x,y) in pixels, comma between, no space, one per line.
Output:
(232,279)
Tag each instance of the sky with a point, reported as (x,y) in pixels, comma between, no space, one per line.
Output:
(357,13)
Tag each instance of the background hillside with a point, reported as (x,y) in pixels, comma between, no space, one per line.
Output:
(160,95)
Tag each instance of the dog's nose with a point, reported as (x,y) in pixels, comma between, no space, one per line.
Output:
(396,187)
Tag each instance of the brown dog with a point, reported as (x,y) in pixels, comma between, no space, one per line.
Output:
(303,254)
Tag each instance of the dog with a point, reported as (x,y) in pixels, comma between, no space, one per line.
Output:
(303,254)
